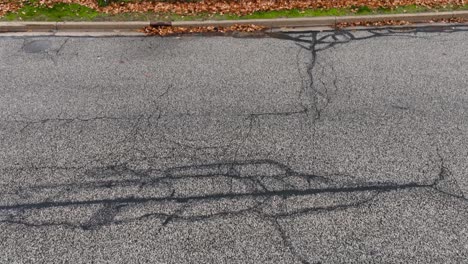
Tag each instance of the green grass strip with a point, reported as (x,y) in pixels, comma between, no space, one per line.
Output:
(76,12)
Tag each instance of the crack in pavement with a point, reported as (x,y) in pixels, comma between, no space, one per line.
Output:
(285,184)
(242,187)
(276,183)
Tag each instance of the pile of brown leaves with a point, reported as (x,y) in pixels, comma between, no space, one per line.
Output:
(396,22)
(239,7)
(243,7)
(170,30)
(372,23)
(89,3)
(9,6)
(449,20)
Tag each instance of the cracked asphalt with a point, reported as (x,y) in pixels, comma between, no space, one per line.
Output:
(332,147)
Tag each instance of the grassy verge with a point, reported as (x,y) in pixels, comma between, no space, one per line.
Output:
(76,12)
(59,12)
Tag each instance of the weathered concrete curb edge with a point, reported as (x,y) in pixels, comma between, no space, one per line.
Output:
(330,21)
(71,26)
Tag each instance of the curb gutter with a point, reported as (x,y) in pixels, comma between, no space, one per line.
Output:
(330,21)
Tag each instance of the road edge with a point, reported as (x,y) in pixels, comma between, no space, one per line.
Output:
(124,26)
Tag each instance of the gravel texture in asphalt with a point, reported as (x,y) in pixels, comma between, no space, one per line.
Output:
(333,147)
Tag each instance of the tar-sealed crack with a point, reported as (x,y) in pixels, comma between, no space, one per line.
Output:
(280,184)
(249,187)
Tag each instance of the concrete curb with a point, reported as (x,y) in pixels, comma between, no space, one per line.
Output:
(101,26)
(272,23)
(71,26)
(27,26)
(330,21)
(415,18)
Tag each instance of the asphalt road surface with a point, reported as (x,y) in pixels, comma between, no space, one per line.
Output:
(333,147)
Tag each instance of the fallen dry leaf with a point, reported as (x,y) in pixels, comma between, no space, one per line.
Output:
(170,30)
(9,6)
(239,7)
